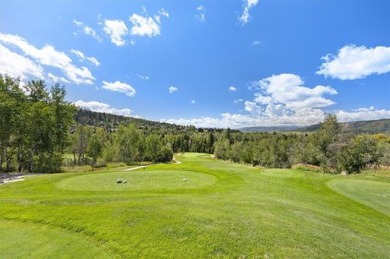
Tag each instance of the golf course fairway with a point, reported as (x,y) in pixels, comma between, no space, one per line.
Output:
(201,208)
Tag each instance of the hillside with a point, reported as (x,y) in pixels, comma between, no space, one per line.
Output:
(358,127)
(112,121)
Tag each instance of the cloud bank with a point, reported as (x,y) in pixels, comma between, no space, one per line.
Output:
(356,62)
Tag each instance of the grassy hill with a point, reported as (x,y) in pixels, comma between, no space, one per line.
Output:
(359,127)
(200,208)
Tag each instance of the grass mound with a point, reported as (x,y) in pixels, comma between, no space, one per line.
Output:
(370,193)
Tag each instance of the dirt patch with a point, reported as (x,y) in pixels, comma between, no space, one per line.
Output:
(134,168)
(9,178)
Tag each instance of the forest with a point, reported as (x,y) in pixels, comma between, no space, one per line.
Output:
(40,132)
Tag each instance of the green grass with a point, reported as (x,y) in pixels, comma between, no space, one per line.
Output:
(221,210)
(371,193)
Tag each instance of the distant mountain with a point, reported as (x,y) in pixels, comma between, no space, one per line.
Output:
(269,129)
(358,127)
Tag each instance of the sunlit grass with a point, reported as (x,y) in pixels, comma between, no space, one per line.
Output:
(223,209)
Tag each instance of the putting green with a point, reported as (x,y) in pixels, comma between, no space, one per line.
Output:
(288,173)
(138,180)
(370,193)
(42,241)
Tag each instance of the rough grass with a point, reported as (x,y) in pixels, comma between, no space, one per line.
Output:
(230,210)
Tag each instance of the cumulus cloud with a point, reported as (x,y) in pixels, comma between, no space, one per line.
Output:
(201,13)
(363,114)
(145,26)
(116,30)
(232,89)
(82,57)
(248,4)
(16,65)
(355,62)
(119,87)
(102,107)
(288,90)
(172,89)
(88,30)
(47,56)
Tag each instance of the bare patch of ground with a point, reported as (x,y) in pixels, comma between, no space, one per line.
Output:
(9,178)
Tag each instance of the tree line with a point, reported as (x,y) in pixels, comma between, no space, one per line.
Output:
(38,127)
(333,148)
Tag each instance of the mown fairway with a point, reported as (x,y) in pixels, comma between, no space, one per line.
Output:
(200,208)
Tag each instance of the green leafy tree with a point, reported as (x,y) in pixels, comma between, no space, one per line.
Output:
(127,141)
(95,145)
(360,152)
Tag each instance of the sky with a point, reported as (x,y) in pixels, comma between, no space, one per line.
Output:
(215,63)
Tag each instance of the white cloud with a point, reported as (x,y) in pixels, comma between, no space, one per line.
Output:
(102,107)
(363,114)
(116,29)
(248,4)
(82,57)
(119,87)
(145,26)
(253,108)
(353,62)
(88,30)
(303,118)
(16,65)
(232,89)
(143,77)
(238,101)
(172,89)
(57,79)
(192,102)
(163,12)
(47,56)
(287,89)
(256,43)
(262,99)
(201,13)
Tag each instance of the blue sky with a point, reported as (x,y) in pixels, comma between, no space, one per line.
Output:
(207,63)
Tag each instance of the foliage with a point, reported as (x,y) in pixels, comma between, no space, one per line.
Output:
(34,125)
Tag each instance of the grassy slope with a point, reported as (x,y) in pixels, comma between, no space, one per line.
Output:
(236,211)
